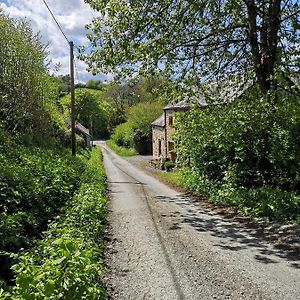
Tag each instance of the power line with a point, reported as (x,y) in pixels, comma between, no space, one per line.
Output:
(71,45)
(54,18)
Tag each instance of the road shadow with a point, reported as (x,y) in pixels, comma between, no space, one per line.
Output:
(270,240)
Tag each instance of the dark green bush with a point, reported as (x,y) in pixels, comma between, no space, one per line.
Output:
(67,263)
(248,151)
(168,165)
(35,184)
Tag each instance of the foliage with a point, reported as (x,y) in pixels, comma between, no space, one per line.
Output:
(193,39)
(94,84)
(122,151)
(34,185)
(142,114)
(136,132)
(246,151)
(265,201)
(64,83)
(27,93)
(122,135)
(92,111)
(168,165)
(67,263)
(138,89)
(125,95)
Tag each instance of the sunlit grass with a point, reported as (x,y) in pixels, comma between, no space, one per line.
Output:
(122,151)
(171,177)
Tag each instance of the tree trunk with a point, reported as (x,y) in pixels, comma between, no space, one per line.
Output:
(263,30)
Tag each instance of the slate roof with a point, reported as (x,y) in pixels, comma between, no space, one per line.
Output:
(159,122)
(82,129)
(212,93)
(218,92)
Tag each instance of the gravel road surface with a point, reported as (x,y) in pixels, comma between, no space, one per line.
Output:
(164,246)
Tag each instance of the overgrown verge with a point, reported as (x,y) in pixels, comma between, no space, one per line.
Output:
(66,263)
(244,154)
(122,151)
(35,183)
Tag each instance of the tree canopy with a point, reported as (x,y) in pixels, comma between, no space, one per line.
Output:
(196,39)
(28,94)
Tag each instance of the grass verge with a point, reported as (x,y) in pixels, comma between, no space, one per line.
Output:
(264,202)
(172,178)
(67,263)
(122,151)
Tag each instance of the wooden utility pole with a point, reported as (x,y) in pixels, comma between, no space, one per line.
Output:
(73,137)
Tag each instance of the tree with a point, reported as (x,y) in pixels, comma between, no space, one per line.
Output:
(196,39)
(93,112)
(63,84)
(94,84)
(136,132)
(28,94)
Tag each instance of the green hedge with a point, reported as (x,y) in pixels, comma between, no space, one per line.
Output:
(67,263)
(244,154)
(34,184)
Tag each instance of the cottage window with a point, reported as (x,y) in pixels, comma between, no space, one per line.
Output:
(171,121)
(171,146)
(159,147)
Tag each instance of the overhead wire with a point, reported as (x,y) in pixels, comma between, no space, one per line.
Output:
(62,32)
(55,20)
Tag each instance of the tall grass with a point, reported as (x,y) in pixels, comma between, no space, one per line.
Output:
(122,151)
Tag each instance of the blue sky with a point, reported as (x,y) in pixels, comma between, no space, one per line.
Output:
(72,15)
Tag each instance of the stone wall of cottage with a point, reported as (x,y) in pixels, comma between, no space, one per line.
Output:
(158,142)
(170,119)
(158,138)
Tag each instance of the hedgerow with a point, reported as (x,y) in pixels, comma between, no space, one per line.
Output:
(67,262)
(35,183)
(244,154)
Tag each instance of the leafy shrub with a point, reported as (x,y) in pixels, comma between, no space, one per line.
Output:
(67,263)
(136,132)
(122,135)
(168,165)
(245,153)
(35,184)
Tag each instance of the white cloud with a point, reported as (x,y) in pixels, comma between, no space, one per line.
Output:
(72,15)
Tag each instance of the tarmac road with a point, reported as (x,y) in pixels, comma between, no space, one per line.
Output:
(164,246)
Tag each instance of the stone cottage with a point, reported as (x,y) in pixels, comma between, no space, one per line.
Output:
(163,131)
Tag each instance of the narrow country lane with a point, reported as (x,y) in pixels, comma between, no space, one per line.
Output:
(167,247)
